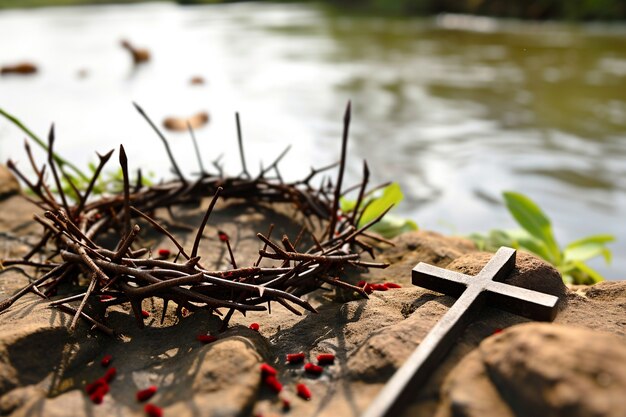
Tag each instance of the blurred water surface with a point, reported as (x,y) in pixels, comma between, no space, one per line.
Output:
(456,109)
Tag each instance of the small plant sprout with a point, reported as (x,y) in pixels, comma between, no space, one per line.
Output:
(536,236)
(375,203)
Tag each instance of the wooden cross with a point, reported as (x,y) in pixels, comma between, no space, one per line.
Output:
(472,292)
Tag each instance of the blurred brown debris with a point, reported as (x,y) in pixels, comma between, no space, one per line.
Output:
(180,123)
(139,55)
(22,68)
(197,80)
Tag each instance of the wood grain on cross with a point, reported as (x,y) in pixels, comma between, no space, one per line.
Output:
(473,292)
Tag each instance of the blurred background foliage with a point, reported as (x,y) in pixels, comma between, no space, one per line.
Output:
(574,10)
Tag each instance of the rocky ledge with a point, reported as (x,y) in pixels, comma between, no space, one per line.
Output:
(503,365)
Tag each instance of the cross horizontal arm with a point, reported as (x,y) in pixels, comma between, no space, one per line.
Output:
(527,303)
(439,279)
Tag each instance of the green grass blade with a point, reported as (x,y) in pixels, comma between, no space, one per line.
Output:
(61,161)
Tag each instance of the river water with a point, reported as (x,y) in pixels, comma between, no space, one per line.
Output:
(456,109)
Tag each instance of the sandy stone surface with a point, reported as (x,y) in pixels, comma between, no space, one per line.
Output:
(44,368)
(8,184)
(505,374)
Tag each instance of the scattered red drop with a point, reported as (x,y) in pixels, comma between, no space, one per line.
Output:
(99,392)
(313,369)
(146,394)
(325,359)
(106,360)
(96,398)
(164,253)
(223,236)
(206,338)
(152,410)
(379,287)
(303,391)
(273,383)
(255,327)
(110,374)
(286,404)
(295,357)
(93,387)
(145,314)
(267,370)
(391,285)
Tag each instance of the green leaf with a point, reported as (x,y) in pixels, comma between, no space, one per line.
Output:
(346,205)
(589,247)
(534,221)
(535,246)
(391,195)
(391,226)
(584,274)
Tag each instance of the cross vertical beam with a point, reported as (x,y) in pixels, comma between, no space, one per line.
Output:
(473,293)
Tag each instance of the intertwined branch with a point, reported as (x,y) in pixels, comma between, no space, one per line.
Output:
(74,227)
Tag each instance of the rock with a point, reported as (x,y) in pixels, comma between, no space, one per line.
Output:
(370,338)
(539,369)
(8,183)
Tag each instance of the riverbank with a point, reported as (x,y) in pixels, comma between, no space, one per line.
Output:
(604,10)
(368,339)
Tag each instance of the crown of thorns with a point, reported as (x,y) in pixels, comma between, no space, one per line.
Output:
(126,272)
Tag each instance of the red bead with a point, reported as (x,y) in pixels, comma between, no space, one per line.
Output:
(273,383)
(313,369)
(96,398)
(255,327)
(295,357)
(106,360)
(164,253)
(110,374)
(206,338)
(286,404)
(325,358)
(145,314)
(497,331)
(267,370)
(303,391)
(146,394)
(152,410)
(223,236)
(92,387)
